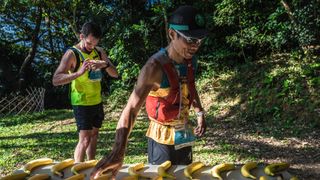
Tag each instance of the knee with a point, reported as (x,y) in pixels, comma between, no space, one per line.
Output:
(85,141)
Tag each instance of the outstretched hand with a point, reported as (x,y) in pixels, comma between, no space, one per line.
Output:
(108,164)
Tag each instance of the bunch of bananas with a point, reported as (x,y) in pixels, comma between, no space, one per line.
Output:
(191,168)
(218,169)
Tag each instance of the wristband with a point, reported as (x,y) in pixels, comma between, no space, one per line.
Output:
(200,113)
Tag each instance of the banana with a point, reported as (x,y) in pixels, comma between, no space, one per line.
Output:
(133,169)
(55,169)
(83,165)
(217,169)
(18,176)
(245,169)
(162,170)
(39,177)
(77,177)
(263,178)
(272,169)
(192,168)
(35,163)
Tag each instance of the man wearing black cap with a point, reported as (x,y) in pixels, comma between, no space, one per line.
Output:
(167,84)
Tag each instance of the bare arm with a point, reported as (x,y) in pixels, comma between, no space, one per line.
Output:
(111,69)
(201,128)
(67,63)
(149,77)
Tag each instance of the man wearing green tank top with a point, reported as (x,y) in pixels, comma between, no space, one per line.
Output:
(81,66)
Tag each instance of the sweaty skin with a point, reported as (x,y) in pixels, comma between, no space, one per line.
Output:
(149,79)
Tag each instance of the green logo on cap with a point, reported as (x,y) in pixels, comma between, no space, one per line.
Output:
(199,20)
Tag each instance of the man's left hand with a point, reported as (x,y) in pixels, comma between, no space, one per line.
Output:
(201,128)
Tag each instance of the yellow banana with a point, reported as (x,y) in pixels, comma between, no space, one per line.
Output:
(263,178)
(77,177)
(294,178)
(56,169)
(18,176)
(162,170)
(83,165)
(39,177)
(192,168)
(157,178)
(133,169)
(217,169)
(245,169)
(35,163)
(272,169)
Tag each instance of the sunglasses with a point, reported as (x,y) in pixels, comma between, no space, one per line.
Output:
(190,40)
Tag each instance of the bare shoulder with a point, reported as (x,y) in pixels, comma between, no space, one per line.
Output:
(100,49)
(151,72)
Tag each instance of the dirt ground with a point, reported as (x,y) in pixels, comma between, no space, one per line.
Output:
(303,154)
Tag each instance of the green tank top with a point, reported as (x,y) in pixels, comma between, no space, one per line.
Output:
(83,90)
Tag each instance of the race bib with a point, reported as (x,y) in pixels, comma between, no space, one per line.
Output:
(183,137)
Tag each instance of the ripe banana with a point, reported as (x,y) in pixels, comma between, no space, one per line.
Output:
(245,169)
(35,163)
(55,169)
(192,168)
(263,178)
(162,170)
(19,176)
(133,170)
(77,177)
(272,169)
(39,177)
(217,169)
(83,165)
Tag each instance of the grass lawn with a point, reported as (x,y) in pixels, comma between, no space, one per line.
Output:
(53,134)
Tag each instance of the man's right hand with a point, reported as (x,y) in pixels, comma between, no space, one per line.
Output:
(108,164)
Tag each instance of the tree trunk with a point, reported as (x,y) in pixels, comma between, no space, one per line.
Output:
(32,52)
(289,11)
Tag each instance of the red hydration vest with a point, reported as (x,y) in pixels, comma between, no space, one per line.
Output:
(166,109)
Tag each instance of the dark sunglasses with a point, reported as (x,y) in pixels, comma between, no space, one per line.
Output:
(190,40)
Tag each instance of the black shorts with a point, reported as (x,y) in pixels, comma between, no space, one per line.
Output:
(159,153)
(88,117)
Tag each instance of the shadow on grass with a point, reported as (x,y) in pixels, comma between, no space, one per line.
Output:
(47,116)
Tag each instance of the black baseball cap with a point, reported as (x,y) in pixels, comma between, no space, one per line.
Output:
(188,21)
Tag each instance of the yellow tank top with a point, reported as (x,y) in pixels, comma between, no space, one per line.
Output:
(83,90)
